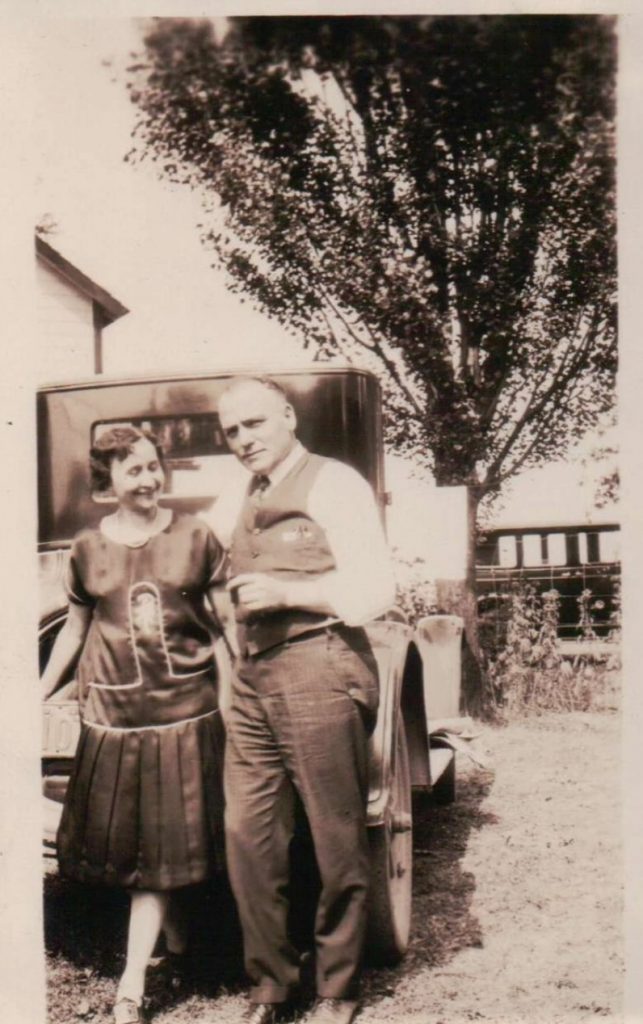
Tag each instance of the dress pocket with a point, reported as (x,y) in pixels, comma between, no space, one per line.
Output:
(115,686)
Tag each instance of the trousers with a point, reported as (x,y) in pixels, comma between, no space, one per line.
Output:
(298,724)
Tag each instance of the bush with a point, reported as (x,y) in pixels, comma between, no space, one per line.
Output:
(527,672)
(416,591)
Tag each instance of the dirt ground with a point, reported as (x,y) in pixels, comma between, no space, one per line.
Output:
(517,902)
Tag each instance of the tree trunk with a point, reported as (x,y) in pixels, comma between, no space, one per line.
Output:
(459,597)
(472,679)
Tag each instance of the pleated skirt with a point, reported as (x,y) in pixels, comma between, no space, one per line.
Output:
(144,807)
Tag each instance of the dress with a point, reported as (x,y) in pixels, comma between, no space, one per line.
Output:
(144,805)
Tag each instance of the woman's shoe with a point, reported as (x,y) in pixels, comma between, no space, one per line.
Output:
(126,1011)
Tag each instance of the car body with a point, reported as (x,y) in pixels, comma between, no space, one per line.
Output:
(578,560)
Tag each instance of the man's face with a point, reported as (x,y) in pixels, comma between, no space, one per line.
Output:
(258,425)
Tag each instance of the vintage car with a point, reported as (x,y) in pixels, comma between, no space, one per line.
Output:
(339,414)
(569,557)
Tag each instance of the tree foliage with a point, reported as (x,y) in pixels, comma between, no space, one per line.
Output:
(433,196)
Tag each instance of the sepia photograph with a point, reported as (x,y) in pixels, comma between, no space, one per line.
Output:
(325,371)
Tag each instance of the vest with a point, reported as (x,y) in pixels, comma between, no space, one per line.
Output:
(276,535)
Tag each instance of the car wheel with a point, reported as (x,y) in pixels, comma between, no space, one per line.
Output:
(391,854)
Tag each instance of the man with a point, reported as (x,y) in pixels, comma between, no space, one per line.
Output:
(309,565)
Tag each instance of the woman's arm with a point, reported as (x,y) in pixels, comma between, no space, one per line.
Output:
(223,610)
(67,646)
(226,648)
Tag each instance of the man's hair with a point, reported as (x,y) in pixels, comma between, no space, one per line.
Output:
(265,382)
(116,443)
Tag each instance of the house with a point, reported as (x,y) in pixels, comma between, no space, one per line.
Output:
(72,312)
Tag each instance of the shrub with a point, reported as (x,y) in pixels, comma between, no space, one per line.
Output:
(527,673)
(416,591)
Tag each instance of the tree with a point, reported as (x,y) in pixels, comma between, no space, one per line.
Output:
(432,195)
(604,454)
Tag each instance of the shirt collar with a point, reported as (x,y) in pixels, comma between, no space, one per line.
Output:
(284,467)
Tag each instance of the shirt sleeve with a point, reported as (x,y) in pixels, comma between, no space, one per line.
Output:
(216,559)
(73,582)
(363,583)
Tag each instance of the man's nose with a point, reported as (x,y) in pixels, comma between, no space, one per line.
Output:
(245,437)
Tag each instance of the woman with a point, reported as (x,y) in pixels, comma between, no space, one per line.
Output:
(144,804)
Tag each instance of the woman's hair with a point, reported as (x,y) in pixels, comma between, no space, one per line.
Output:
(116,443)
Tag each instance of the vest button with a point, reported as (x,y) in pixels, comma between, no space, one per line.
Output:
(255,554)
(257,529)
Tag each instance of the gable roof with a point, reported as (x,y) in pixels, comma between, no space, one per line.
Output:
(110,307)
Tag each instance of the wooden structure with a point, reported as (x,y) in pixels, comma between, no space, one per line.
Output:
(72,312)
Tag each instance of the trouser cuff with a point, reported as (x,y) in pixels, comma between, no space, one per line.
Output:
(334,992)
(266,993)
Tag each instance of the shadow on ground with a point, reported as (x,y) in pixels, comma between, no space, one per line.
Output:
(85,927)
(442,922)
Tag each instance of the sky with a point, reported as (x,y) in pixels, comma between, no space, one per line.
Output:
(132,233)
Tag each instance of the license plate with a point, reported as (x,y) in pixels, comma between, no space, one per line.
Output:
(60,728)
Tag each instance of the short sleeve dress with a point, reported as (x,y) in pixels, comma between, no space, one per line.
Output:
(144,805)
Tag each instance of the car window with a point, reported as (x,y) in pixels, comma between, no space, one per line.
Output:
(609,546)
(532,549)
(507,552)
(557,549)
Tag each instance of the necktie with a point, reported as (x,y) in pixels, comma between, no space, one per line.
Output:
(259,486)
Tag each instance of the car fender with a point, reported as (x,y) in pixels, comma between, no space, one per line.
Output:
(401,693)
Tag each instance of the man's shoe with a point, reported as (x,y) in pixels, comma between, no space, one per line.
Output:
(332,1011)
(261,1013)
(126,1011)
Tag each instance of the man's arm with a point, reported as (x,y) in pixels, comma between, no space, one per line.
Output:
(363,584)
(259,592)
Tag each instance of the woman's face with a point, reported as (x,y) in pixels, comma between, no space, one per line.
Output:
(138,479)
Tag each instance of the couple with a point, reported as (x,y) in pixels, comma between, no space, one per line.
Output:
(307,566)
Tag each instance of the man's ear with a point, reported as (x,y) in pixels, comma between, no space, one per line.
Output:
(291,416)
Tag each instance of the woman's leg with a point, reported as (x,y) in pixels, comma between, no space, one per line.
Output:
(147,914)
(174,927)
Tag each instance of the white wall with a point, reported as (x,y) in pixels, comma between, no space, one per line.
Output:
(425,521)
(64,319)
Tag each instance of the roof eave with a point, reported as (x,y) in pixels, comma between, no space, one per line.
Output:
(111,308)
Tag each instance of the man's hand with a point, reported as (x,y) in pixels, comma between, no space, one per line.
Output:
(258,592)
